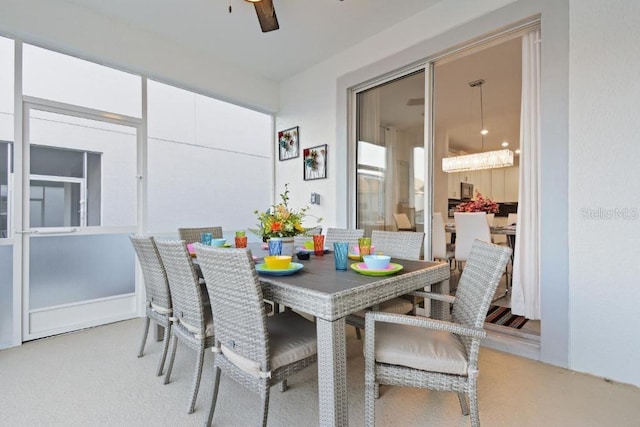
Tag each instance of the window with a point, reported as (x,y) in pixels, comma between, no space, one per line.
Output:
(65,188)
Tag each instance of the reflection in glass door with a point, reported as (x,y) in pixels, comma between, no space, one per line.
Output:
(390,175)
(79,205)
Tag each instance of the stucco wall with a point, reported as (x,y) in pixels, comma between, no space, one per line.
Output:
(604,202)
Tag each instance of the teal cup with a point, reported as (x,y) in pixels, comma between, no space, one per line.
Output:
(275,246)
(340,250)
(206,238)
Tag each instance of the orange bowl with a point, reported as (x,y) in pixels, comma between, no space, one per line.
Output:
(278,262)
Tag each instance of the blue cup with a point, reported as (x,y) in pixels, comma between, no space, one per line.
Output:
(206,238)
(340,250)
(275,246)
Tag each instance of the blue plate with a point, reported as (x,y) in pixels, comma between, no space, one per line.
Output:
(294,267)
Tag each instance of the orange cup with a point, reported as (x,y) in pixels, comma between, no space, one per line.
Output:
(318,244)
(241,241)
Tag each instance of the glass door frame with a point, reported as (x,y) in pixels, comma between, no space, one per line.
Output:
(352,117)
(21,223)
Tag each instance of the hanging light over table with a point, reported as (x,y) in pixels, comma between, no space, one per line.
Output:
(484,159)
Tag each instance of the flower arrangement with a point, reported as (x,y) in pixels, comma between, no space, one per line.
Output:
(480,204)
(280,220)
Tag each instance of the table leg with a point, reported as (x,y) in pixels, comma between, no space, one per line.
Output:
(332,372)
(158,331)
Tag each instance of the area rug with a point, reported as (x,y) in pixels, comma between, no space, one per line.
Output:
(502,316)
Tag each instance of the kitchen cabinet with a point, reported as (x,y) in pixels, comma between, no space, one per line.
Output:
(511,184)
(497,185)
(501,185)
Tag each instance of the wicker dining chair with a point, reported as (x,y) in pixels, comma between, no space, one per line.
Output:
(192,235)
(350,236)
(158,298)
(192,319)
(435,354)
(313,230)
(300,239)
(396,244)
(252,349)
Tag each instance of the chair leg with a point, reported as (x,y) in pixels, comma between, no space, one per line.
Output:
(358,334)
(369,402)
(214,396)
(265,407)
(283,386)
(167,376)
(376,390)
(464,405)
(196,378)
(165,348)
(144,336)
(473,402)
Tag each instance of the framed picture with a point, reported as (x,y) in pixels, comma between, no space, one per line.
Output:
(315,162)
(288,144)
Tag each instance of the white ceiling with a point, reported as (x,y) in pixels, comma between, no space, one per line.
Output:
(457,105)
(314,30)
(310,30)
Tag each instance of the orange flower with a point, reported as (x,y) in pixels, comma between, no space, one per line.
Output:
(279,220)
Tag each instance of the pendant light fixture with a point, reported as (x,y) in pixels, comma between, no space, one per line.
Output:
(484,159)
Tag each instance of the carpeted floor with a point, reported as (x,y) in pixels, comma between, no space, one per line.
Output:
(502,316)
(93,378)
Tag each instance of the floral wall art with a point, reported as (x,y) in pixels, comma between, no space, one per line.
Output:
(315,162)
(288,143)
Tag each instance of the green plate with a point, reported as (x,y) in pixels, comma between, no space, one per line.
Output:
(361,267)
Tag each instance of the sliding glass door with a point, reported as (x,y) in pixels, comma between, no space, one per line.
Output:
(390,174)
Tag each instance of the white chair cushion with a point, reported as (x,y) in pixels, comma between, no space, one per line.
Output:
(208,329)
(420,348)
(247,365)
(395,305)
(291,338)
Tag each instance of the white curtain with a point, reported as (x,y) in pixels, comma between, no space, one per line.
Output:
(525,299)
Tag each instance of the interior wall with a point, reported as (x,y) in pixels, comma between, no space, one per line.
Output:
(109,41)
(604,204)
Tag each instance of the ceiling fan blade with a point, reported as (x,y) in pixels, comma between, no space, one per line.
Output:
(266,15)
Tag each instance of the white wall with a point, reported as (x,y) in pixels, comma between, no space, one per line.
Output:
(309,99)
(109,41)
(604,155)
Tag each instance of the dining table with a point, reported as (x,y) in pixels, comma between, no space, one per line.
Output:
(330,295)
